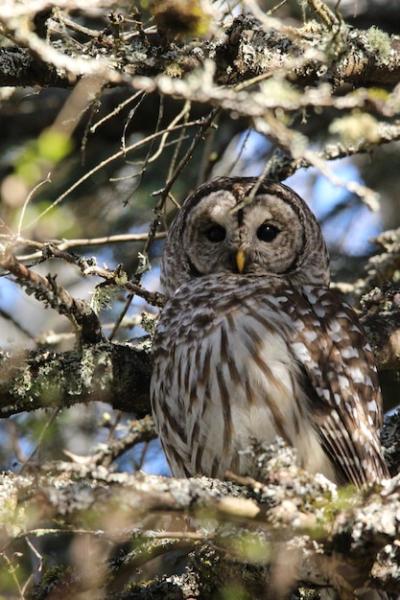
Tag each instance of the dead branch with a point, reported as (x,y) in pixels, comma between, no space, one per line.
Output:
(48,291)
(110,159)
(139,431)
(67,244)
(9,317)
(282,165)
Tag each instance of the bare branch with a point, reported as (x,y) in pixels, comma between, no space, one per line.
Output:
(9,317)
(114,373)
(120,154)
(138,432)
(326,15)
(47,290)
(65,244)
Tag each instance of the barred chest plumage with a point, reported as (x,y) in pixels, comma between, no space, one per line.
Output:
(225,377)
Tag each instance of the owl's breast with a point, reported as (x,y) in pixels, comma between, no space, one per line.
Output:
(224,377)
(200,305)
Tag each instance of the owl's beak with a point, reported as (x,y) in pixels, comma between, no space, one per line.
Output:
(240,260)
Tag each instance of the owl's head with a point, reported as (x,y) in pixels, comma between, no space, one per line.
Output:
(217,230)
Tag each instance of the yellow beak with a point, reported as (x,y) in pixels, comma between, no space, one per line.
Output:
(240,260)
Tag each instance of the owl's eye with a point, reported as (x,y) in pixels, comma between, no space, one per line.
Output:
(267,232)
(215,233)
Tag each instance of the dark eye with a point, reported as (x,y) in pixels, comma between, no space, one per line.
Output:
(215,233)
(267,232)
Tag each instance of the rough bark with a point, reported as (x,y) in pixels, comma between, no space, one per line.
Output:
(19,68)
(114,373)
(247,50)
(241,530)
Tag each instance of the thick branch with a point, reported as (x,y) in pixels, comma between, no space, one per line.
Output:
(118,374)
(19,68)
(356,56)
(285,509)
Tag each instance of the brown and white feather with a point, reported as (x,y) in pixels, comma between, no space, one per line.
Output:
(270,352)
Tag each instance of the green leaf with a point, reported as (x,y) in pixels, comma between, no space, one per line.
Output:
(54,145)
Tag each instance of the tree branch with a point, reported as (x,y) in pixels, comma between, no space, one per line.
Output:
(139,431)
(362,57)
(243,526)
(114,373)
(282,165)
(19,68)
(47,290)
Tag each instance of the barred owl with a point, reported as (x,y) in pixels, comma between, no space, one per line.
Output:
(252,344)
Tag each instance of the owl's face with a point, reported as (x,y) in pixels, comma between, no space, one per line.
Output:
(218,231)
(264,236)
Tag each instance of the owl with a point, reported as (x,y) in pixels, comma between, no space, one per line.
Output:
(252,344)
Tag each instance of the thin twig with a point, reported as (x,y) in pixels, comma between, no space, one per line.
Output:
(50,338)
(49,422)
(128,120)
(11,569)
(143,264)
(28,199)
(46,290)
(116,111)
(138,432)
(267,21)
(326,15)
(104,163)
(175,120)
(36,553)
(113,278)
(121,238)
(93,33)
(120,535)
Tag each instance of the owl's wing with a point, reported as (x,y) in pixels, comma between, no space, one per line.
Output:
(342,383)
